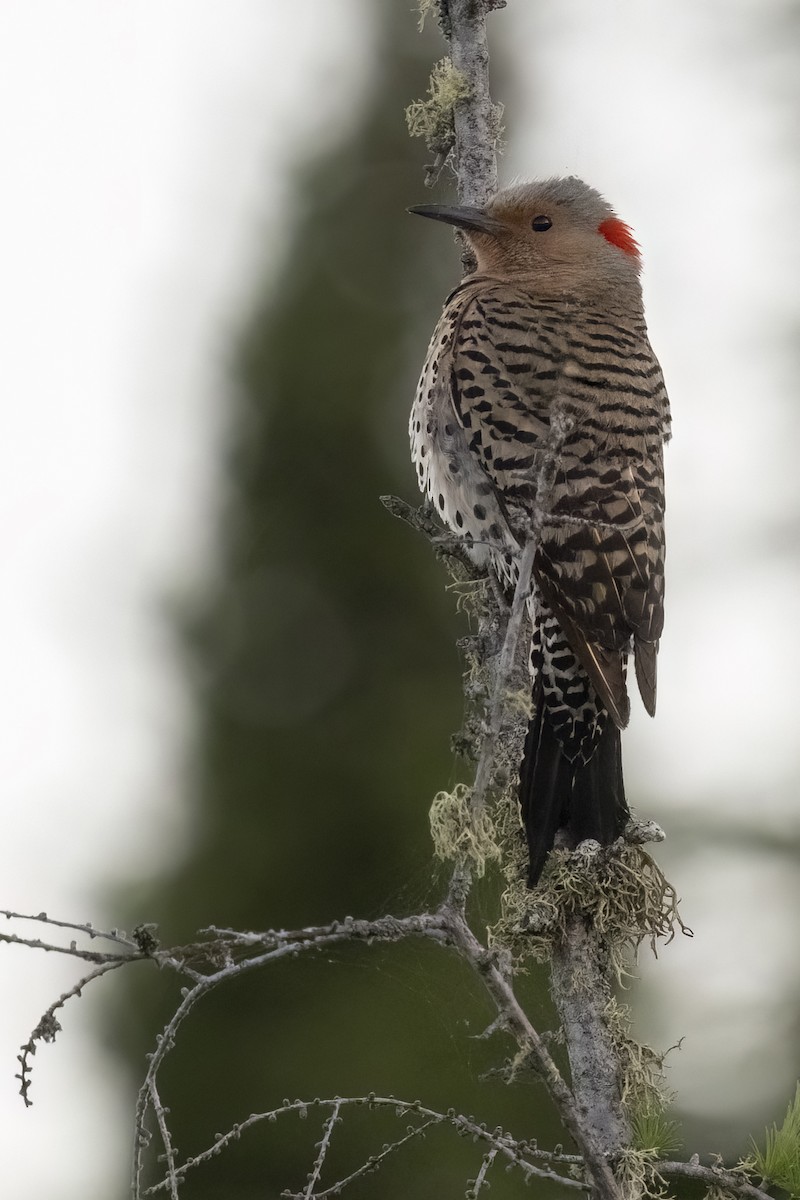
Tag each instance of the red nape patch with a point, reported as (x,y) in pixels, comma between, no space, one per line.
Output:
(619,234)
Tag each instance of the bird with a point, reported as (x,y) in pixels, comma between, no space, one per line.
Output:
(541,415)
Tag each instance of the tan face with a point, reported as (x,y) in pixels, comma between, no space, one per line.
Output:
(535,230)
(560,235)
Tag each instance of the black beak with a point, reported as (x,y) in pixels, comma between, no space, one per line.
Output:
(474,219)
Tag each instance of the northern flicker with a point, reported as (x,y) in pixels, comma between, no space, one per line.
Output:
(541,413)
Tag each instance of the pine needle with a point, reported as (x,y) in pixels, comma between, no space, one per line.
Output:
(655,1133)
(779,1162)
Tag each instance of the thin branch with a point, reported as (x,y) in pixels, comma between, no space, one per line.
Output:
(48,1026)
(716,1177)
(375,1161)
(516,1154)
(327,1134)
(383,929)
(74,951)
(425,521)
(476,120)
(447,926)
(280,945)
(506,664)
(480,1178)
(113,935)
(166,1140)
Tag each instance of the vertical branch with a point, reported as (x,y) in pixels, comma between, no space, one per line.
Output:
(475,117)
(474,158)
(507,661)
(581,987)
(518,1024)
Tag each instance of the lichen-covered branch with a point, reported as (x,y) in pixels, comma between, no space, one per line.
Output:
(581,986)
(476,118)
(717,1179)
(458,120)
(506,678)
(530,1042)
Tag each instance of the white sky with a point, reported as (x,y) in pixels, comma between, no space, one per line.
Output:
(143,155)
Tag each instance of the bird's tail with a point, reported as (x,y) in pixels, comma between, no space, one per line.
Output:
(587,799)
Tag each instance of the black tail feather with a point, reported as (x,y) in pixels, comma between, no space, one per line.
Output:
(588,799)
(545,784)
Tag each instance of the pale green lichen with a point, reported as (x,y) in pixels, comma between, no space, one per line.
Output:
(636,1176)
(432,119)
(423,8)
(620,889)
(644,1093)
(458,832)
(470,594)
(520,702)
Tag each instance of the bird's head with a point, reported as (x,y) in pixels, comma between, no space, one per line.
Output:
(558,233)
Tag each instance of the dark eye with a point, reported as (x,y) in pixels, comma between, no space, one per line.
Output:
(541,224)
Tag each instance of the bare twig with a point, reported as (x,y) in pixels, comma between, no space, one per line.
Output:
(48,1026)
(278,944)
(448,926)
(713,1177)
(86,927)
(480,1178)
(327,1134)
(515,1153)
(375,1161)
(425,521)
(258,949)
(73,950)
(161,1114)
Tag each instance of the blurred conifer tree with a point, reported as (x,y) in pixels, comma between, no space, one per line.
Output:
(328,687)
